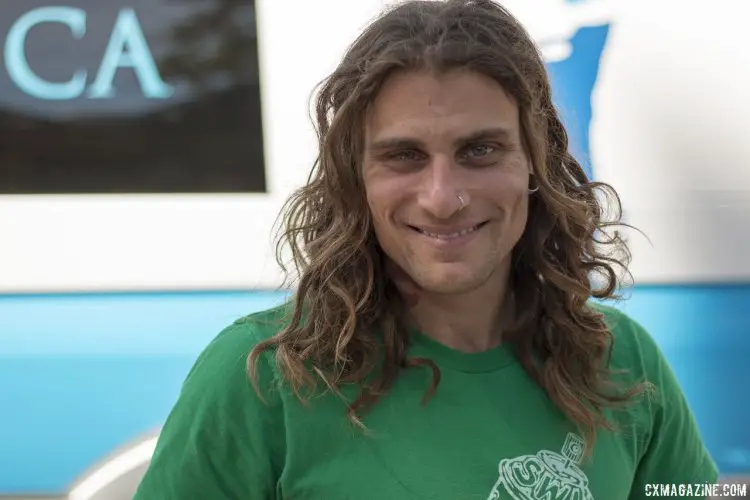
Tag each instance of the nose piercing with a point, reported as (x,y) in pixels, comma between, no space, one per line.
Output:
(461,200)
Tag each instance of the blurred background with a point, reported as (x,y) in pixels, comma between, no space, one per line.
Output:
(146,147)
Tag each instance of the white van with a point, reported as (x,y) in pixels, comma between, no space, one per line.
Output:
(146,147)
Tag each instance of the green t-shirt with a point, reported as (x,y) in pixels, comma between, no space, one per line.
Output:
(489,432)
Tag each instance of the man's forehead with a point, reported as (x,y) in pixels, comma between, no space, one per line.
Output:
(457,84)
(456,104)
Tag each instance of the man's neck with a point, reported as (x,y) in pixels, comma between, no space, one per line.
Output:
(469,322)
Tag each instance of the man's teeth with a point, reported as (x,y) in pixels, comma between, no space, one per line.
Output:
(449,236)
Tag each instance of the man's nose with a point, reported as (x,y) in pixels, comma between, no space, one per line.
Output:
(441,187)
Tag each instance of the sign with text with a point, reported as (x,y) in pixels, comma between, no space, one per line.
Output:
(127,47)
(130,97)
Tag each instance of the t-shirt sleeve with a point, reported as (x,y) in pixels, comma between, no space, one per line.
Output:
(220,441)
(674,450)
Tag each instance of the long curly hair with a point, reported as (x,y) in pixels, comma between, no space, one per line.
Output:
(346,322)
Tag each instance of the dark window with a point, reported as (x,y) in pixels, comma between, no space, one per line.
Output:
(130,96)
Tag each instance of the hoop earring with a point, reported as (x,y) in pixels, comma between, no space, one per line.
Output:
(532,191)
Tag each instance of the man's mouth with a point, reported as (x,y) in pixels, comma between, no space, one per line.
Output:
(448,233)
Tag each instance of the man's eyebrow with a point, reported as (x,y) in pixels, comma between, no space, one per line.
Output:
(501,133)
(498,133)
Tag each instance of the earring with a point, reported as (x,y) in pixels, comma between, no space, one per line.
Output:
(532,191)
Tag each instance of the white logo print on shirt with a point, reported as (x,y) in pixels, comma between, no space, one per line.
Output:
(545,475)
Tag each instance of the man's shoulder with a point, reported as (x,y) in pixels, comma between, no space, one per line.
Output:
(225,358)
(262,325)
(224,435)
(633,347)
(619,322)
(670,447)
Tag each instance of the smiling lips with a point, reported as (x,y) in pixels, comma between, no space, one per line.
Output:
(448,233)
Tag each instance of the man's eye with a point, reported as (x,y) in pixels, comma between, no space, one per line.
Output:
(405,156)
(481,150)
(481,155)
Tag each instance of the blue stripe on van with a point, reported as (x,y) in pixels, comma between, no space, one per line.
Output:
(84,374)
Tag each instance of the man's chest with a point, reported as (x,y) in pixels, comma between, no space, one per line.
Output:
(453,448)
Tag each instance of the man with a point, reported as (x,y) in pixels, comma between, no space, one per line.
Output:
(441,342)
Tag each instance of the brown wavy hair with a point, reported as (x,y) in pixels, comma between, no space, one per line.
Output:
(346,321)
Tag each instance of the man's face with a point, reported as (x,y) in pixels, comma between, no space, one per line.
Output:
(428,139)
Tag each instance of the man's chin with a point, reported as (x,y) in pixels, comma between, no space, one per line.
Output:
(448,288)
(448,279)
